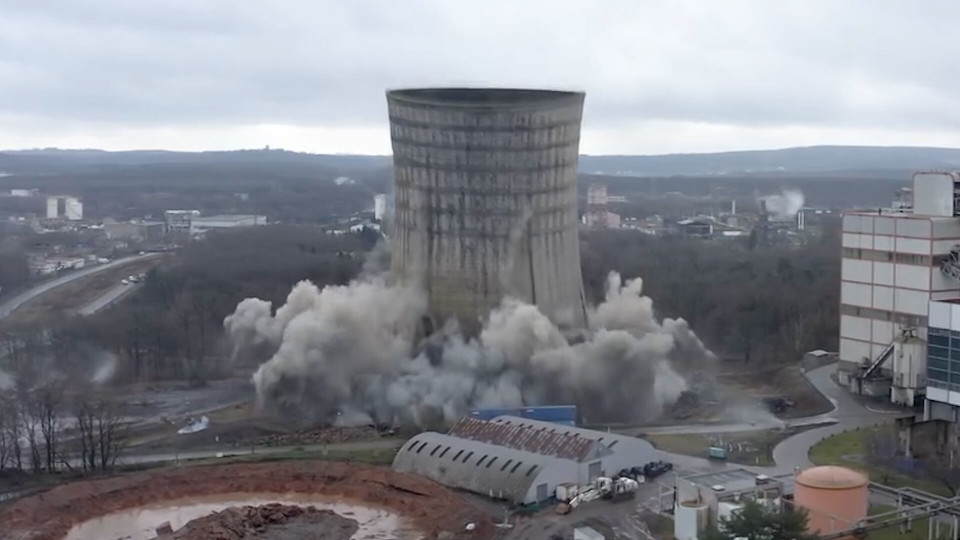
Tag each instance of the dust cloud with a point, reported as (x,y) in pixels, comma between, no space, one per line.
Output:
(347,355)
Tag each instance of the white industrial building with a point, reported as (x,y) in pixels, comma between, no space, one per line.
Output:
(518,459)
(892,267)
(705,498)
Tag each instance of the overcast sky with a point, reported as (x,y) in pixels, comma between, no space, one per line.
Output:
(660,76)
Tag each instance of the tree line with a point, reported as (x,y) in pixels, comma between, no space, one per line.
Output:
(772,303)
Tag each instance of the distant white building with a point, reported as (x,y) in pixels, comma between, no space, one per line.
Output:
(23,192)
(379,206)
(200,225)
(53,207)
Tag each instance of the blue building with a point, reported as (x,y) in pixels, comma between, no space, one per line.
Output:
(557,414)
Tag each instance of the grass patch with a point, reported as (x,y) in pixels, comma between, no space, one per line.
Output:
(837,449)
(918,532)
(746,447)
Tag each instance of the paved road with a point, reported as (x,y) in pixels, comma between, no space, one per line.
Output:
(12,304)
(106,299)
(793,451)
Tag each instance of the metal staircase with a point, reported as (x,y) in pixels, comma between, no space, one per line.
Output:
(881,358)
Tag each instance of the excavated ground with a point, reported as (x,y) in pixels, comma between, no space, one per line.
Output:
(428,506)
(269,521)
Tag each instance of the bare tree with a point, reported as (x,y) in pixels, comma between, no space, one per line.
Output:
(48,408)
(6,445)
(102,433)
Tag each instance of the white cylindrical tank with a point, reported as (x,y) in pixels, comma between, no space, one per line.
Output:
(836,498)
(690,519)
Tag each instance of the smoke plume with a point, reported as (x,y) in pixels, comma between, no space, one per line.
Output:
(347,355)
(785,205)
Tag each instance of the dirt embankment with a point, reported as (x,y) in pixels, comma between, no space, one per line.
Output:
(273,521)
(430,507)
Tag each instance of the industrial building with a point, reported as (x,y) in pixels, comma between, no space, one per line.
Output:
(518,459)
(835,499)
(895,262)
(486,199)
(379,206)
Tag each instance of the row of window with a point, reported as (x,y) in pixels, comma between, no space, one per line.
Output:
(883,315)
(890,256)
(516,464)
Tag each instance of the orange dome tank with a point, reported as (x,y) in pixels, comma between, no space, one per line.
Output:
(836,498)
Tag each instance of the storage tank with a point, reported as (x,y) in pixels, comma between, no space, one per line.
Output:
(486,199)
(836,498)
(690,519)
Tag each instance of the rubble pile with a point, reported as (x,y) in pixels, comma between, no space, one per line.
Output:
(274,521)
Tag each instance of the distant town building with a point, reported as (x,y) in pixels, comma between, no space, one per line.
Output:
(597,195)
(63,206)
(695,227)
(134,230)
(73,209)
(597,215)
(179,220)
(24,192)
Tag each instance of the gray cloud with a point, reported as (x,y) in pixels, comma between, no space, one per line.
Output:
(861,64)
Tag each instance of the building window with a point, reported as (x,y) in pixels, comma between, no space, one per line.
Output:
(480,461)
(939,341)
(489,463)
(515,467)
(507,464)
(445,450)
(434,451)
(457,455)
(529,472)
(465,458)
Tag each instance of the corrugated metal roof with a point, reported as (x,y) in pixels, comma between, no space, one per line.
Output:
(608,442)
(495,471)
(548,440)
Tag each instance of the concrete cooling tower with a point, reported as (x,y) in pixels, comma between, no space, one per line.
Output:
(486,199)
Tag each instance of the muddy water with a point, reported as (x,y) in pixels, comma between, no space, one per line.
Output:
(140,523)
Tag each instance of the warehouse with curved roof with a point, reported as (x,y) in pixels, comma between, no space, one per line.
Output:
(516,459)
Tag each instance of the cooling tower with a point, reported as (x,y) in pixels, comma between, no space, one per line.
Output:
(486,199)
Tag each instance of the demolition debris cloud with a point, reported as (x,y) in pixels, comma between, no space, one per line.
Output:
(347,354)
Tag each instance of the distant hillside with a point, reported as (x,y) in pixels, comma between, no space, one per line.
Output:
(837,161)
(853,160)
(56,161)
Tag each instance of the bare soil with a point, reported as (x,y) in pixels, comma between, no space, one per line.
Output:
(430,507)
(270,522)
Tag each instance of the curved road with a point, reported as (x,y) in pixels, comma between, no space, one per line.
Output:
(12,304)
(793,451)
